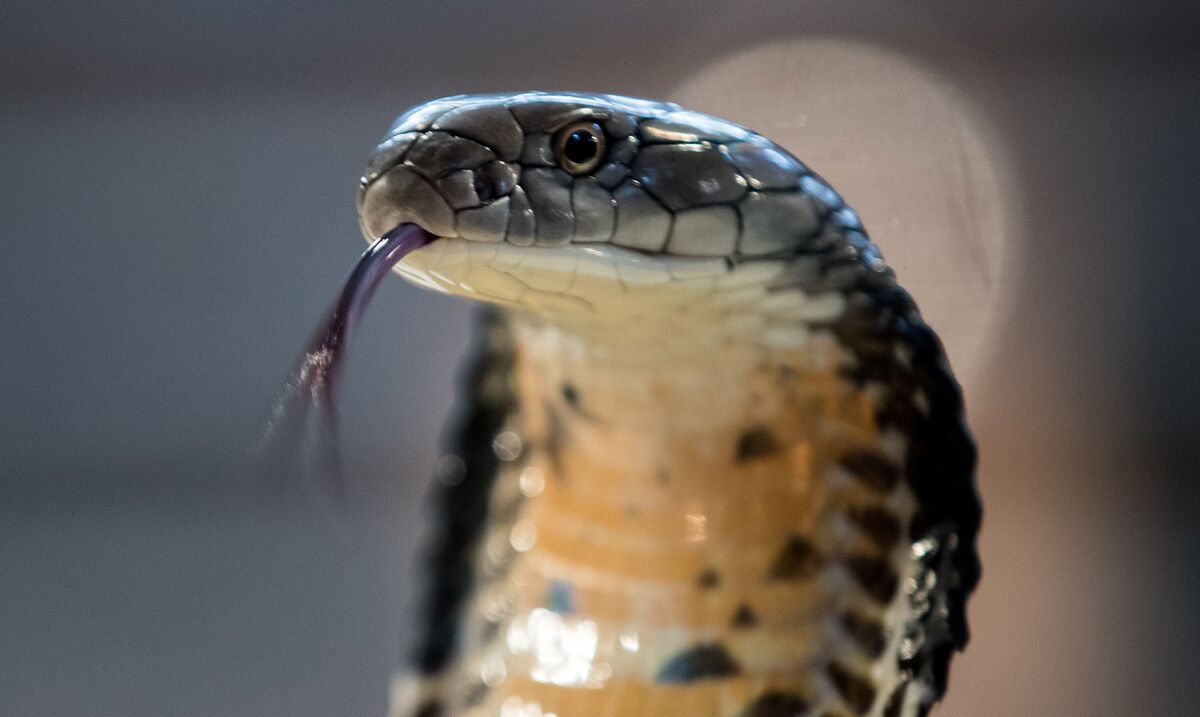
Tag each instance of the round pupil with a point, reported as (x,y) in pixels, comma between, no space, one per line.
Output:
(580,146)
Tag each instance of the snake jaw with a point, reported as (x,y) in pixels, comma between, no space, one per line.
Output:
(675,203)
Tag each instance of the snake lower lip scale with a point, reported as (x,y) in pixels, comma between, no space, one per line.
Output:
(710,460)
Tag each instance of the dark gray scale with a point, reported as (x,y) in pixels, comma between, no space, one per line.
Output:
(483,223)
(684,127)
(775,222)
(390,152)
(440,153)
(707,231)
(538,151)
(687,176)
(458,189)
(642,221)
(494,126)
(549,192)
(522,222)
(537,115)
(764,166)
(595,214)
(421,117)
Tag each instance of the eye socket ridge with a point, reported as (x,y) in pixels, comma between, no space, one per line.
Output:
(580,146)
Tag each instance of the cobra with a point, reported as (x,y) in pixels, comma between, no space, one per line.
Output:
(710,461)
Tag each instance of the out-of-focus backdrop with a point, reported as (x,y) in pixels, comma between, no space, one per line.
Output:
(177,207)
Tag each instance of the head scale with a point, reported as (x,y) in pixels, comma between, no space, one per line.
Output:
(541,169)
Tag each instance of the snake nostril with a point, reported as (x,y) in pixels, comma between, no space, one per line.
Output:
(494,180)
(484,188)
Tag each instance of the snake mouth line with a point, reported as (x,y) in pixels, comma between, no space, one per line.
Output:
(464,267)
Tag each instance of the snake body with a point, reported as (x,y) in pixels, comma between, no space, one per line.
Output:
(710,459)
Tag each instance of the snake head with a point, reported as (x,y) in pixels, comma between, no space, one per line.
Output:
(542,188)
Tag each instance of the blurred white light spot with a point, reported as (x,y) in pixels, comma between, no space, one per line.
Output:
(532,481)
(562,647)
(697,526)
(523,535)
(599,675)
(507,445)
(516,707)
(629,640)
(493,671)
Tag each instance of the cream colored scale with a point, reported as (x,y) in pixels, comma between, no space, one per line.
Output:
(635,524)
(639,535)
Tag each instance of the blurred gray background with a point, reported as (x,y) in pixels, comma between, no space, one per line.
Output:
(176,210)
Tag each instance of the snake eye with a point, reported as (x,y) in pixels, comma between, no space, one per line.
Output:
(580,147)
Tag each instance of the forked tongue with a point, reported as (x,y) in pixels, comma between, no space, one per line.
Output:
(301,435)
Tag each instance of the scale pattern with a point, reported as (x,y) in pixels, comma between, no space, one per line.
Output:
(827,567)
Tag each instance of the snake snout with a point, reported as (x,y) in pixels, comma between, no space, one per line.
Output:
(450,185)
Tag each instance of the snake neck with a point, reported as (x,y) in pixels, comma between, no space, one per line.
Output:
(661,377)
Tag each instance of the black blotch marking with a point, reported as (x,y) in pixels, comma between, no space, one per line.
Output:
(556,437)
(490,631)
(875,576)
(663,477)
(756,442)
(776,704)
(872,468)
(475,694)
(896,701)
(708,580)
(570,395)
(878,523)
(704,661)
(432,708)
(867,632)
(858,692)
(796,560)
(632,511)
(744,617)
